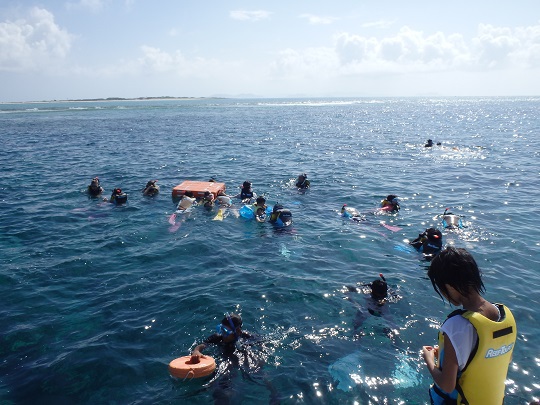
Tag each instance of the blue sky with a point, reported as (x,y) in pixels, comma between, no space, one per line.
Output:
(134,48)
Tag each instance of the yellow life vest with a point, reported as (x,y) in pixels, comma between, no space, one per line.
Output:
(482,379)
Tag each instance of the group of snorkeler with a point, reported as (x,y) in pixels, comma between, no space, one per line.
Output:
(119,197)
(475,343)
(279,215)
(429,242)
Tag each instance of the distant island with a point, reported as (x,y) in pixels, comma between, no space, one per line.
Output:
(84,100)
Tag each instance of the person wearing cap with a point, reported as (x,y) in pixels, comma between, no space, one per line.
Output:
(430,242)
(151,188)
(95,189)
(302,181)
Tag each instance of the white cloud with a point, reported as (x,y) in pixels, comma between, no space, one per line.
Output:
(412,51)
(244,15)
(318,20)
(35,42)
(157,60)
(378,24)
(312,63)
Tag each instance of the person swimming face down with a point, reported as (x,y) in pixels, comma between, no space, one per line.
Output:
(379,289)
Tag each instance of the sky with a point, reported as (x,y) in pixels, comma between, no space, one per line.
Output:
(81,49)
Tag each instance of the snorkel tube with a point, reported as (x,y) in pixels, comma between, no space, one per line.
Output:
(231,324)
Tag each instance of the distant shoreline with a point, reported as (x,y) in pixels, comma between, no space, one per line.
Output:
(90,100)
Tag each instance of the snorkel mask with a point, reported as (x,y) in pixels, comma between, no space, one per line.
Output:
(224,331)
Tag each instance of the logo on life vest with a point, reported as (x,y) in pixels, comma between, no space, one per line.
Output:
(498,352)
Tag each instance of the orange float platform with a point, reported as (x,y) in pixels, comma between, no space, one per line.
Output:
(198,188)
(183,367)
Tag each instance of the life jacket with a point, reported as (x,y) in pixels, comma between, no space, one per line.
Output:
(246,194)
(481,381)
(119,198)
(431,246)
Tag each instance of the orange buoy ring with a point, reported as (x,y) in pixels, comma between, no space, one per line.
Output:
(182,367)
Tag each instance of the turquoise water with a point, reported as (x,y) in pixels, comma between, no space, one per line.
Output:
(97,299)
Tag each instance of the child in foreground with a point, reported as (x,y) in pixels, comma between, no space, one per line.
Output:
(470,363)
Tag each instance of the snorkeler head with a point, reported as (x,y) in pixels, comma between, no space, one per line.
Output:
(246,184)
(232,320)
(433,234)
(260,200)
(379,289)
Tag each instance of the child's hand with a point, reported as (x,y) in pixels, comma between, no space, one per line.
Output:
(428,352)
(196,356)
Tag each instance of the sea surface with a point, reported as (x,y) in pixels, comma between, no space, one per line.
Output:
(96,299)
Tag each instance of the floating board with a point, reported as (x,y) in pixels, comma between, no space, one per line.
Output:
(198,188)
(182,367)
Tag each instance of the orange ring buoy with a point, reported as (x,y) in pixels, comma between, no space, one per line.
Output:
(182,367)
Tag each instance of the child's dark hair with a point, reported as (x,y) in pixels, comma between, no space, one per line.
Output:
(457,268)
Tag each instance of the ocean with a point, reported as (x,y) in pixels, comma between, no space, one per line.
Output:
(97,299)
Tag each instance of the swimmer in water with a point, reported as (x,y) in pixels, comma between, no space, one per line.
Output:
(240,350)
(351,213)
(390,203)
(260,208)
(95,189)
(246,193)
(430,242)
(151,188)
(375,305)
(302,182)
(451,221)
(208,199)
(186,201)
(280,216)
